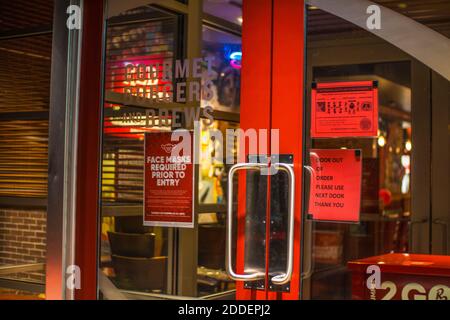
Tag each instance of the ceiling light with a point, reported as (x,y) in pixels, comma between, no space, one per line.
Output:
(381,141)
(408,145)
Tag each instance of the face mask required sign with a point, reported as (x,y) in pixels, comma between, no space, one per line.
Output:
(169,181)
(335,193)
(344,109)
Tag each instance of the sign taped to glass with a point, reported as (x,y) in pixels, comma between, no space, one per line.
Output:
(344,109)
(169,179)
(335,184)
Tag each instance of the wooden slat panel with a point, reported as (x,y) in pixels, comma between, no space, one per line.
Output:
(25,69)
(23,158)
(25,14)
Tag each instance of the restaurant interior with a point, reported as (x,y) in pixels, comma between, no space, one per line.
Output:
(146,262)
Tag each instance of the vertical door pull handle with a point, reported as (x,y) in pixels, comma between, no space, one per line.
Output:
(229,248)
(309,271)
(287,275)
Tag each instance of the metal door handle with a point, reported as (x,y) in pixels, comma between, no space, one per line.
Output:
(308,273)
(229,250)
(287,275)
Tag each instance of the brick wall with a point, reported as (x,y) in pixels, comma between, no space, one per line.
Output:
(23,239)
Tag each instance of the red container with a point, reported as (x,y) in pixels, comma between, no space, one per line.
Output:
(402,277)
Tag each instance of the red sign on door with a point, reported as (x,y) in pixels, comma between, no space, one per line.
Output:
(344,109)
(335,193)
(169,180)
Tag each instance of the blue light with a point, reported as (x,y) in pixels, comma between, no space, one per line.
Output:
(237,55)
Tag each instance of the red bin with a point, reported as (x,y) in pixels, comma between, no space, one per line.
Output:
(401,276)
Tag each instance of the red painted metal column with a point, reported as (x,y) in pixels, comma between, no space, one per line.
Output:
(90,105)
(287,107)
(272,98)
(255,103)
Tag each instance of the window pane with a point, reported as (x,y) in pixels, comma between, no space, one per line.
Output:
(25,65)
(134,257)
(385,212)
(226,49)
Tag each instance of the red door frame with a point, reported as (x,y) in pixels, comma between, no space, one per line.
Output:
(273,45)
(255,104)
(272,82)
(88,152)
(88,158)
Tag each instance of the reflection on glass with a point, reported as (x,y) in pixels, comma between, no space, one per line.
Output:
(385,206)
(226,49)
(213,175)
(215,145)
(133,257)
(212,187)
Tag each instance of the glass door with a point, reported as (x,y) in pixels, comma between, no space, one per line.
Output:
(134,257)
(397,184)
(166,70)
